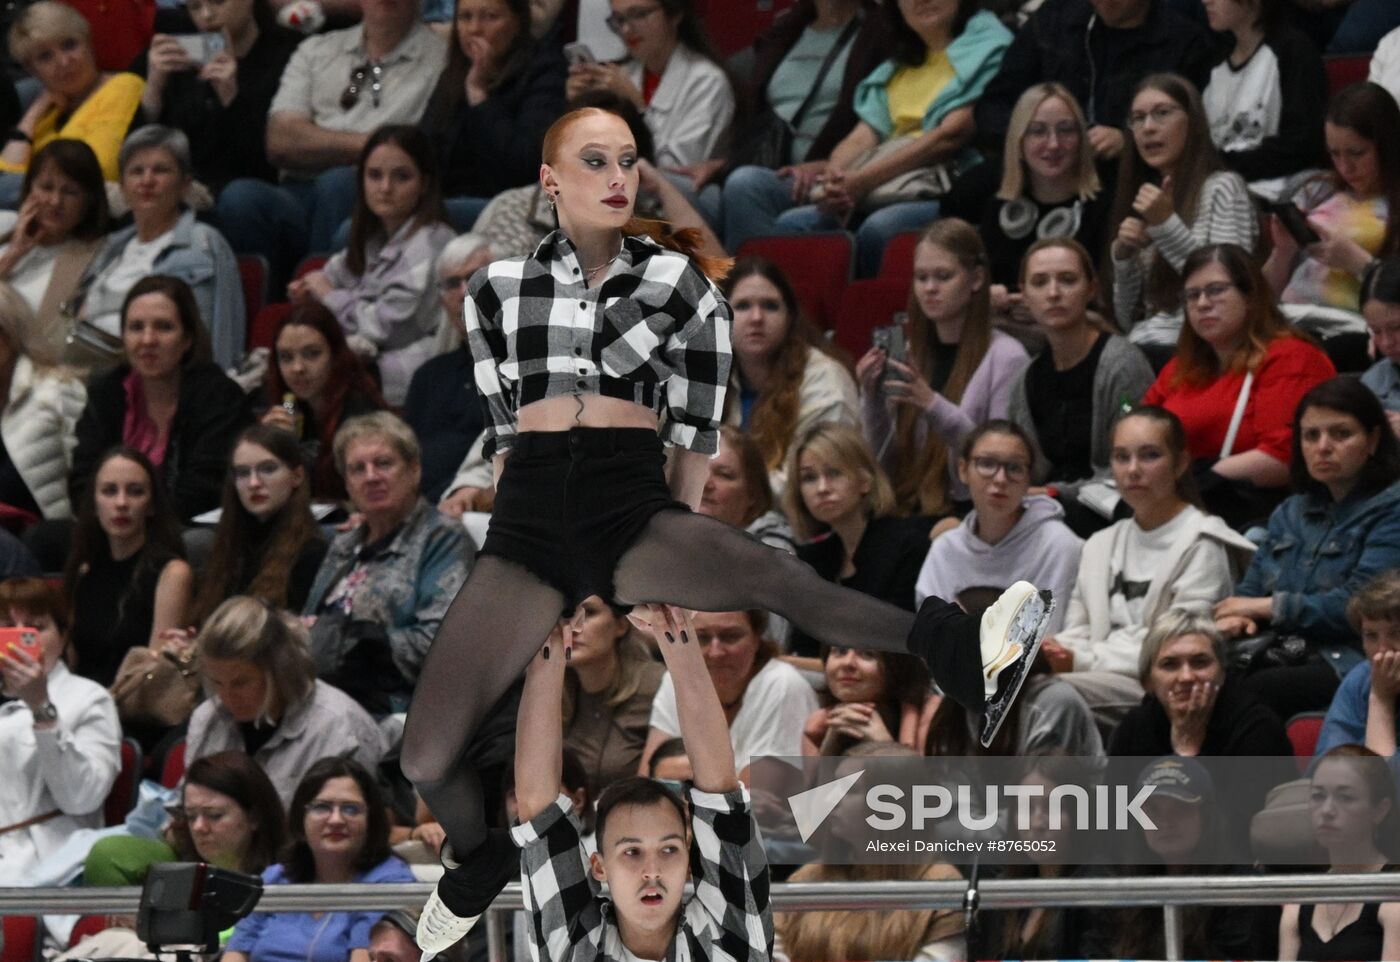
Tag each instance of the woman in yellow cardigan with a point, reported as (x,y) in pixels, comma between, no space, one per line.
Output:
(79,102)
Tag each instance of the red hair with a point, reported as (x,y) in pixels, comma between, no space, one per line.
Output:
(347,374)
(687,241)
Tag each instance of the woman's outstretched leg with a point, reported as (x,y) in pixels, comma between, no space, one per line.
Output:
(697,562)
(492,629)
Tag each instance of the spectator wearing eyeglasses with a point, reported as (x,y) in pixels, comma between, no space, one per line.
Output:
(385,584)
(1174,196)
(1237,351)
(339,827)
(266,544)
(442,406)
(220,101)
(337,89)
(314,385)
(265,700)
(672,76)
(1008,536)
(1050,188)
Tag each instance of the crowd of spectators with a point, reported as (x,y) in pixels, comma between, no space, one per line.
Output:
(1150,361)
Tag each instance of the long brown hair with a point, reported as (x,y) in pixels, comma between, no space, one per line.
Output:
(235,774)
(1196,361)
(1199,160)
(756,485)
(687,241)
(633,657)
(364,223)
(1368,110)
(774,416)
(347,375)
(920,473)
(232,560)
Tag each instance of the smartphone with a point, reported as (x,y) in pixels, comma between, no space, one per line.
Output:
(26,639)
(577,53)
(201,47)
(890,339)
(1295,222)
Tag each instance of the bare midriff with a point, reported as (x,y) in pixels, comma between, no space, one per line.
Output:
(563,413)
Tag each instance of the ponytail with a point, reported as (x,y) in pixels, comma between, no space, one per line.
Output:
(688,241)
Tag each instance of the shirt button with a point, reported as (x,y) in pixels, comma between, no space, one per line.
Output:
(583,306)
(575,270)
(582,383)
(578,352)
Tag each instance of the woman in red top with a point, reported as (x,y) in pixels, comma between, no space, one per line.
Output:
(1237,361)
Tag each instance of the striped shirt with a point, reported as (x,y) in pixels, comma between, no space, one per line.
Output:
(728,919)
(654,332)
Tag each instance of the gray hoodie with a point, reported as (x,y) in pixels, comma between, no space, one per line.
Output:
(1040,549)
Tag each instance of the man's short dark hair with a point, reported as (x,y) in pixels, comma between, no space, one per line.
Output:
(635,790)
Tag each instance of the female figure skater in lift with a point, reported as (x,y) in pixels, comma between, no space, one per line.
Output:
(591,354)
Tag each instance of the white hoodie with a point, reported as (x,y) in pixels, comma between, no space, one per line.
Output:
(1040,549)
(1197,565)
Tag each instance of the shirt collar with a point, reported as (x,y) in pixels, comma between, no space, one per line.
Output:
(409,48)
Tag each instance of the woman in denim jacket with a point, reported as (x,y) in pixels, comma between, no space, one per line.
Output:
(1338,532)
(165,239)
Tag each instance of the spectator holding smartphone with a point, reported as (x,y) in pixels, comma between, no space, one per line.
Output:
(221,98)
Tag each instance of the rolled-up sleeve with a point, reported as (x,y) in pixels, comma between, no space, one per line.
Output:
(731,873)
(487,343)
(699,358)
(560,894)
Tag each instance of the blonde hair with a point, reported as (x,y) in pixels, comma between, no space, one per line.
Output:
(1014,174)
(1178,623)
(378,424)
(44,23)
(250,630)
(633,657)
(845,447)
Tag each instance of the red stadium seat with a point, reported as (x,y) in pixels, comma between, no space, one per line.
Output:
(88,925)
(122,798)
(264,327)
(1345,71)
(174,768)
(252,270)
(732,25)
(897,263)
(864,306)
(1303,731)
(22,939)
(818,265)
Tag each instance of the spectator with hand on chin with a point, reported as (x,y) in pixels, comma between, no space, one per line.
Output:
(875,696)
(1366,708)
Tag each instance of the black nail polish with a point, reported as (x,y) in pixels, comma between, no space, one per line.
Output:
(670,637)
(568,654)
(685,637)
(546,654)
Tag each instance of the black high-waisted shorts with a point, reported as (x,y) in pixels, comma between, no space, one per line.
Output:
(570,504)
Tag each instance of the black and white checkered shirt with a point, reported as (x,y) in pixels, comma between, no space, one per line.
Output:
(655,332)
(728,919)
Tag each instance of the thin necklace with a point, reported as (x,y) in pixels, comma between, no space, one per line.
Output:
(589,272)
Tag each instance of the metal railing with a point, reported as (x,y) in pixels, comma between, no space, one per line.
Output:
(1170,892)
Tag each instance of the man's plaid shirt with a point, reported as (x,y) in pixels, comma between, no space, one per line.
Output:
(655,332)
(727,920)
